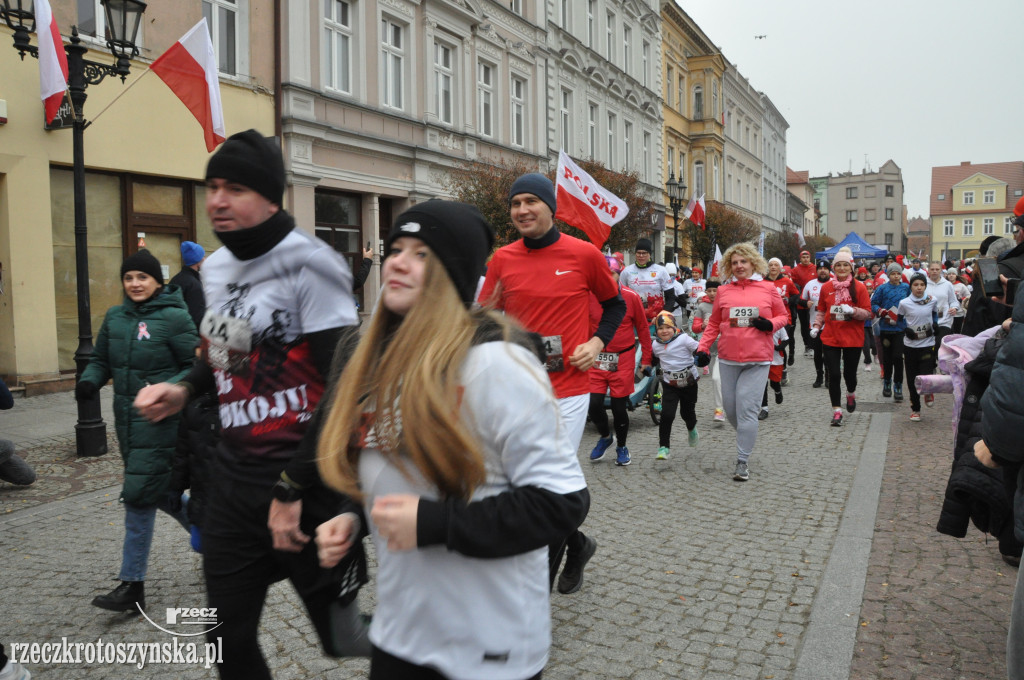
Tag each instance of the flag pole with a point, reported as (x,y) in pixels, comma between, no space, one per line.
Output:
(120,94)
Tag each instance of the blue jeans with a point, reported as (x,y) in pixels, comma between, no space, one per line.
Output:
(138,536)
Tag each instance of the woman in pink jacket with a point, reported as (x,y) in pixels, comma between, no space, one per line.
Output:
(745,315)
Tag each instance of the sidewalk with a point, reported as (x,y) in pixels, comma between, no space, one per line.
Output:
(790,575)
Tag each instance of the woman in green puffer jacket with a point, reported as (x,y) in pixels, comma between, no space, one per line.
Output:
(147,339)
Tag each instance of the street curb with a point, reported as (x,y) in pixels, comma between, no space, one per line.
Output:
(831,634)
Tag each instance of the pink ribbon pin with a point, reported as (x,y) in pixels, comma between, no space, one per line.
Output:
(143,333)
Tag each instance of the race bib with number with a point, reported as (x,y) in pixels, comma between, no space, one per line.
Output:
(682,378)
(553,360)
(227,342)
(838,314)
(740,317)
(921,332)
(607,361)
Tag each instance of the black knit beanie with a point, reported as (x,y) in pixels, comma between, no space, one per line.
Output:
(143,261)
(644,244)
(252,160)
(456,233)
(536,184)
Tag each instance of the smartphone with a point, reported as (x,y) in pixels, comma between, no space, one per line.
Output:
(368,246)
(989,271)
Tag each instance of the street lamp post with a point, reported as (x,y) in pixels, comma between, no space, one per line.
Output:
(123,18)
(676,191)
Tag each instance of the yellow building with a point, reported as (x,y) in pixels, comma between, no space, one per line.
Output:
(969,203)
(144,156)
(694,141)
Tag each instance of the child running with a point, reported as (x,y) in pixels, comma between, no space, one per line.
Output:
(918,312)
(775,372)
(674,350)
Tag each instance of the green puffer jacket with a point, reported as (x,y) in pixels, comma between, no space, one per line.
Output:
(138,345)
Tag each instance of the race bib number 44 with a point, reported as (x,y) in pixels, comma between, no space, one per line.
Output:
(227,342)
(740,317)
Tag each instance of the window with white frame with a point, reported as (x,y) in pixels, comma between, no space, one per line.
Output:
(612,124)
(610,35)
(682,166)
(669,83)
(1007,225)
(968,227)
(516,6)
(988,226)
(947,227)
(888,191)
(851,192)
(714,99)
(591,28)
(714,181)
(222,20)
(681,104)
(698,102)
(968,198)
(645,171)
(698,178)
(645,58)
(338,45)
(671,161)
(485,90)
(989,197)
(564,115)
(889,213)
(851,215)
(443,76)
(627,137)
(627,49)
(592,131)
(888,238)
(518,115)
(564,13)
(92,20)
(392,59)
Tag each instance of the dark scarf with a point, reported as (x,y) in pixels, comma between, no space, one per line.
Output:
(544,241)
(248,244)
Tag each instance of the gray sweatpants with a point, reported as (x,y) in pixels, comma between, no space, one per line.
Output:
(742,388)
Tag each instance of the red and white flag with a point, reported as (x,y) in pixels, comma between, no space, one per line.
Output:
(695,211)
(585,204)
(53,62)
(189,68)
(716,263)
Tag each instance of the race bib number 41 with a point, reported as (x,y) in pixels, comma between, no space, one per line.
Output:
(227,342)
(740,317)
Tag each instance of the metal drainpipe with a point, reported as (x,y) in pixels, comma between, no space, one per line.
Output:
(277,71)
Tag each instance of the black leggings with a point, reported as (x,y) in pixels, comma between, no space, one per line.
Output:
(683,398)
(384,666)
(819,359)
(869,344)
(919,361)
(850,357)
(804,315)
(620,416)
(892,356)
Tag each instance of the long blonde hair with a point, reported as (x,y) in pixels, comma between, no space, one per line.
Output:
(407,370)
(747,250)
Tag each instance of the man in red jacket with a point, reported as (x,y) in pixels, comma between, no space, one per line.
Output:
(613,371)
(801,274)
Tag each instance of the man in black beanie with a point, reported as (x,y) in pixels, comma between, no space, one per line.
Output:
(545,281)
(649,280)
(278,302)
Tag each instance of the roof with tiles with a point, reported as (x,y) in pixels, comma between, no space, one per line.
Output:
(796,177)
(947,176)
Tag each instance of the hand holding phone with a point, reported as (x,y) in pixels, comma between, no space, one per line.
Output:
(989,270)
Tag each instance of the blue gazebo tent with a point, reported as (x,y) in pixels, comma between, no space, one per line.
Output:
(860,248)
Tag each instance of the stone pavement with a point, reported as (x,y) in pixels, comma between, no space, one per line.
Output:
(696,576)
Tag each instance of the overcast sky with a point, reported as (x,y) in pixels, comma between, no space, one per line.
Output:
(923,82)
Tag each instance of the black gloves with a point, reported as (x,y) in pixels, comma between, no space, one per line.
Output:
(174,501)
(702,359)
(85,390)
(909,334)
(762,324)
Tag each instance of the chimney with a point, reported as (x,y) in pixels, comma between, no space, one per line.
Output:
(964,164)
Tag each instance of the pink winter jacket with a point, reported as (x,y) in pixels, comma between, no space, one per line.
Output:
(744,344)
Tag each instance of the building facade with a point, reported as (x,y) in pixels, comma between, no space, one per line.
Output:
(970,202)
(919,238)
(820,186)
(798,184)
(145,159)
(773,168)
(871,204)
(744,117)
(692,90)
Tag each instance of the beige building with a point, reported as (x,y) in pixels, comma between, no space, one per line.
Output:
(801,214)
(380,98)
(871,204)
(145,159)
(970,202)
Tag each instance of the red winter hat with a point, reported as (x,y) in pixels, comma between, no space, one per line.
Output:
(1018,209)
(862,270)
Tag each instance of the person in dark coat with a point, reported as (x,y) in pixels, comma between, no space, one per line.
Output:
(192,257)
(197,445)
(146,339)
(13,468)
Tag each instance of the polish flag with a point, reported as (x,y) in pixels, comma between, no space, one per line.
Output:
(189,68)
(716,262)
(53,62)
(695,211)
(585,204)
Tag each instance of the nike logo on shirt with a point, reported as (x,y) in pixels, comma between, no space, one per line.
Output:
(559,273)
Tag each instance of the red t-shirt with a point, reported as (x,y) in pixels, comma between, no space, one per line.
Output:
(848,333)
(547,291)
(634,325)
